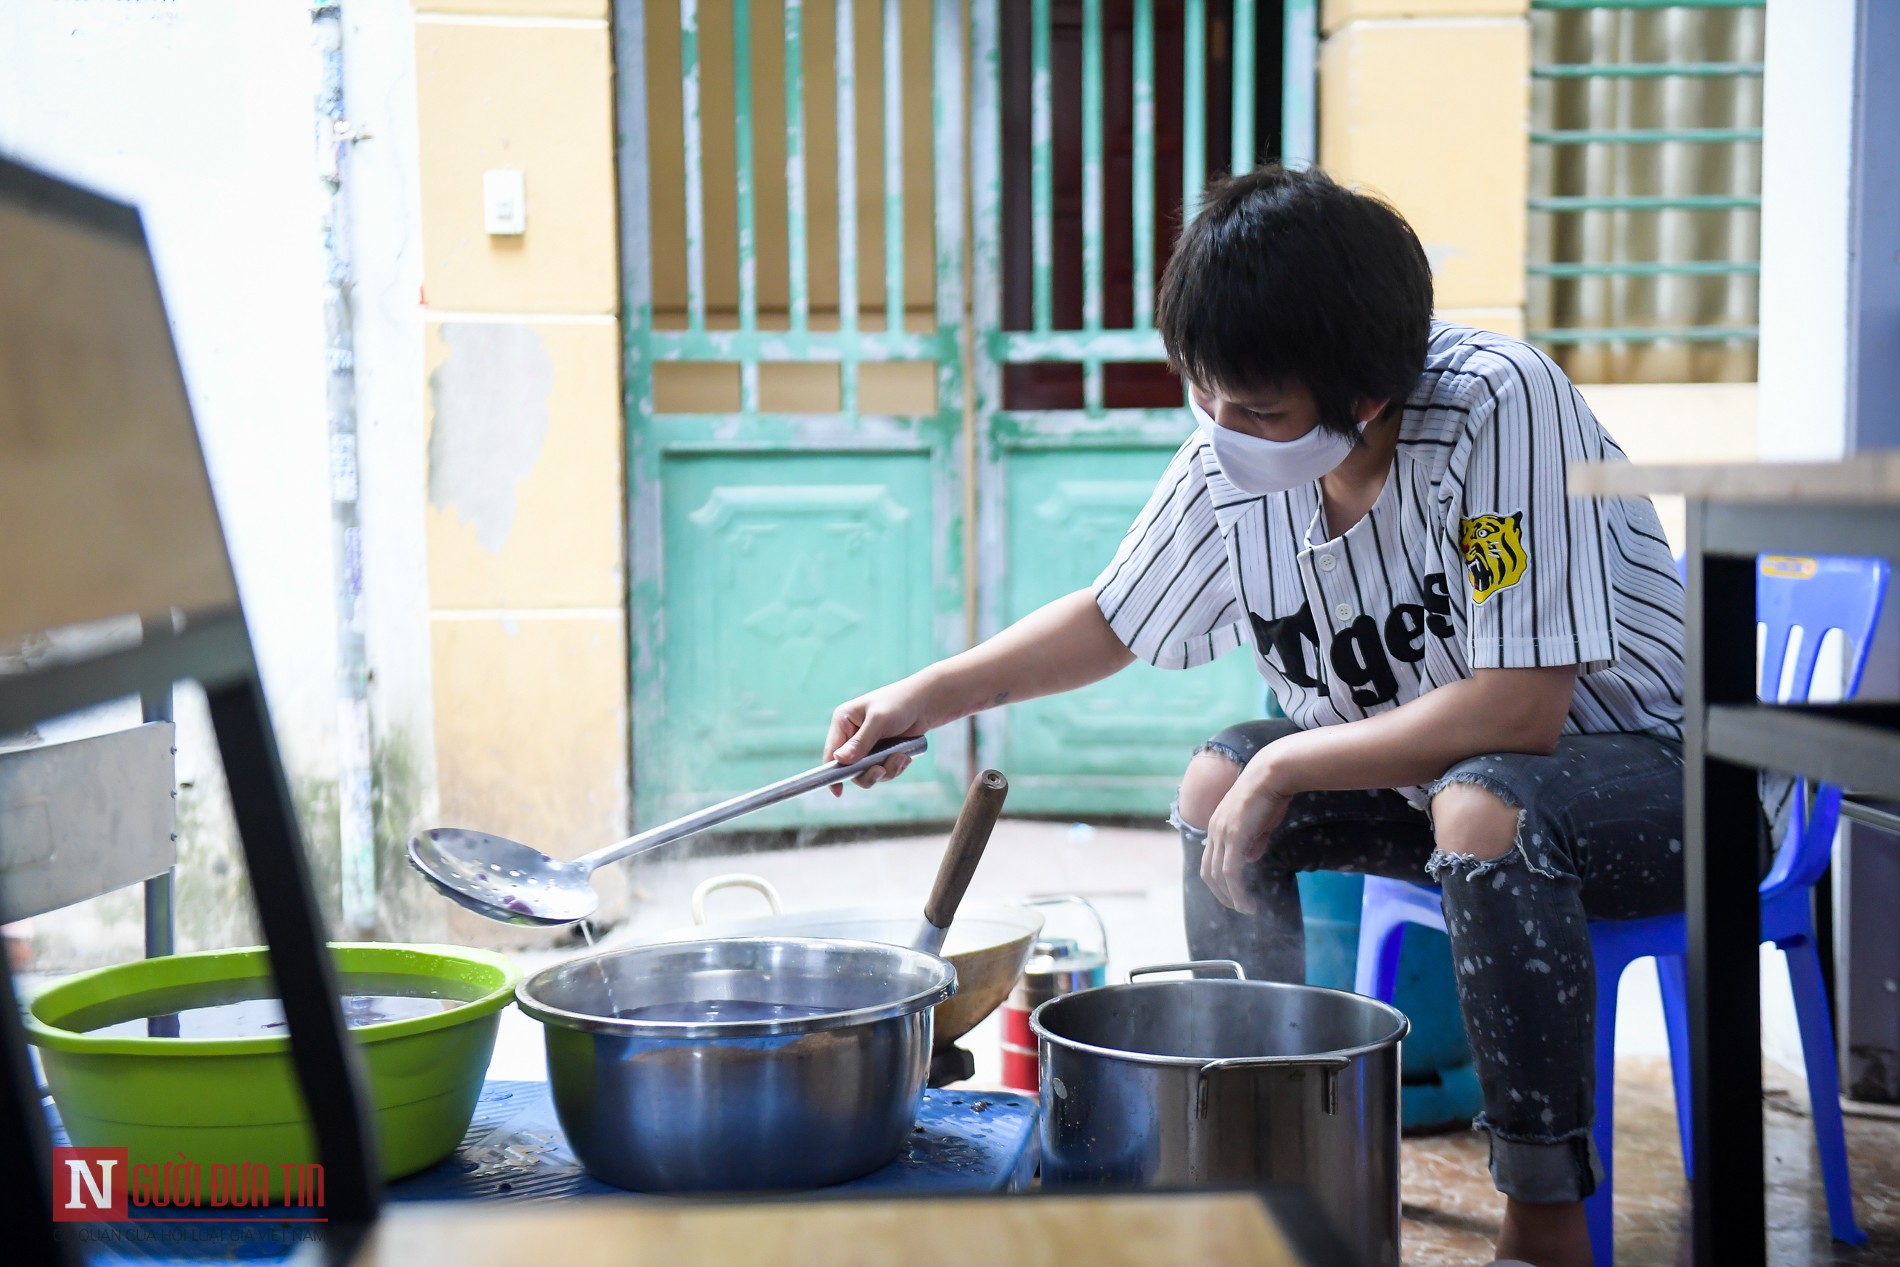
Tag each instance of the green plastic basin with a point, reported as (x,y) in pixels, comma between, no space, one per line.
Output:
(231,1101)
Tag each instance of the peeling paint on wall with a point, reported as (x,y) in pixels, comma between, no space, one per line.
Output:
(491,416)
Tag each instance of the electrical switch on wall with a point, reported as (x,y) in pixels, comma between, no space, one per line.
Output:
(504,202)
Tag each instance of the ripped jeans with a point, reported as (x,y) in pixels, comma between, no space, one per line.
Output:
(1599,837)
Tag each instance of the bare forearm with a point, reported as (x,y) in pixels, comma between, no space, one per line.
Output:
(1521,711)
(1059,647)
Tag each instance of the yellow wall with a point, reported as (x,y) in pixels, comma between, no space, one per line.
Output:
(525,526)
(1428,103)
(1678,422)
(1337,13)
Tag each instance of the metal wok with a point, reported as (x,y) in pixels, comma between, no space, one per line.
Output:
(988,944)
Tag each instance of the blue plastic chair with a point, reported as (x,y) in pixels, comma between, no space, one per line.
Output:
(1814,595)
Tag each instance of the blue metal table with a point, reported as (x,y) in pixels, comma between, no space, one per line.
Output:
(514,1151)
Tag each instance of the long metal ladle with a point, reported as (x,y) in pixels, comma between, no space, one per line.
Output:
(508,881)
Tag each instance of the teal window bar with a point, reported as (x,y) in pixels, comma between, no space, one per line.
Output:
(1645,136)
(1558,5)
(1633,334)
(1649,268)
(1651,70)
(1643,202)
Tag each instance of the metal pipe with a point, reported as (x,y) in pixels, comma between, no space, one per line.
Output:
(1041,171)
(1299,80)
(1092,209)
(893,168)
(846,65)
(161,923)
(694,167)
(355,805)
(1242,158)
(797,275)
(1144,163)
(1193,107)
(742,197)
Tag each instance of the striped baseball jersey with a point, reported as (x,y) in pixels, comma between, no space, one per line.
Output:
(1472,557)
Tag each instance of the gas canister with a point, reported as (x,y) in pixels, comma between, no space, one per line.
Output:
(1057,965)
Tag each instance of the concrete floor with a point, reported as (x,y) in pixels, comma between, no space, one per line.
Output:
(1451,1210)
(1132,876)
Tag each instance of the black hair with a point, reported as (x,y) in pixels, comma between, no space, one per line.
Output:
(1287,276)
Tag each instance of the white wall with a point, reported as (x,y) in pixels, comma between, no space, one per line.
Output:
(379,47)
(1807,152)
(201,112)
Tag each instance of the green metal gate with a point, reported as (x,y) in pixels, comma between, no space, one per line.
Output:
(1057,488)
(780,563)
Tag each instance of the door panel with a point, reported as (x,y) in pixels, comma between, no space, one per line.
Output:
(795,581)
(1119,746)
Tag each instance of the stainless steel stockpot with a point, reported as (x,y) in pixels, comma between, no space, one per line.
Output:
(1207,1081)
(825,1095)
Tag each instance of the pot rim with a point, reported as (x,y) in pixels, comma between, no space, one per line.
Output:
(1015,916)
(1195,1062)
(560,1018)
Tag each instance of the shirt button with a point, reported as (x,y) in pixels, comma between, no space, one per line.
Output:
(1343,612)
(1327,563)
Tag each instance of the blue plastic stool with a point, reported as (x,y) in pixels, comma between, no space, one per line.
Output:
(1441,1087)
(1815,595)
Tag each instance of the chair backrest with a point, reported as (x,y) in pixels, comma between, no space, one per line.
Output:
(1814,596)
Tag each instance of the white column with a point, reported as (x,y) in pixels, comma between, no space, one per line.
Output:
(1807,169)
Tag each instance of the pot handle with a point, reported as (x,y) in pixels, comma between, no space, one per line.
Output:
(1219,965)
(1330,1066)
(1072,899)
(757,883)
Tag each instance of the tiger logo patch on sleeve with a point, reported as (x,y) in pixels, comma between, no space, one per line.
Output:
(1495,556)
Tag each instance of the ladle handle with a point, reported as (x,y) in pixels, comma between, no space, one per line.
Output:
(739,806)
(967,841)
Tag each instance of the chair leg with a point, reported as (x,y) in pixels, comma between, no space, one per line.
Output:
(1599,1208)
(1673,978)
(1824,1087)
(1380,940)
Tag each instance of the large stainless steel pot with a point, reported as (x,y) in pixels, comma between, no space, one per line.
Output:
(1190,1082)
(825,1094)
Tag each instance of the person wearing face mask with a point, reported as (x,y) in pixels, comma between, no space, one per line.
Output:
(1482,677)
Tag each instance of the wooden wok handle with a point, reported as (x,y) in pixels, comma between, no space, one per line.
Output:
(967,841)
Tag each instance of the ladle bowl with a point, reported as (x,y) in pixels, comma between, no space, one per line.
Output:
(487,874)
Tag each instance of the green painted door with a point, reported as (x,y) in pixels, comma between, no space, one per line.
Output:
(1117,747)
(782,562)
(1075,417)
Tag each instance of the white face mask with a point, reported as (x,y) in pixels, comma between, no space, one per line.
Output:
(1257,466)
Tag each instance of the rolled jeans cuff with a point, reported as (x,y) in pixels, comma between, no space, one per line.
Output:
(1191,834)
(1544,1171)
